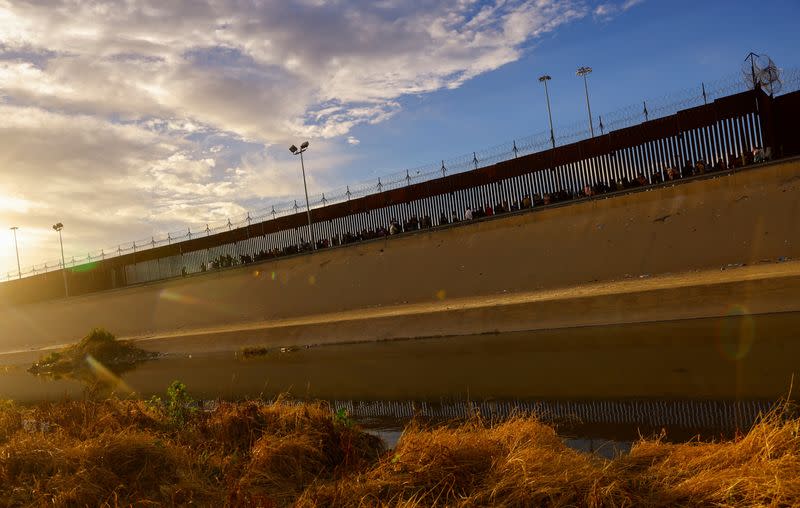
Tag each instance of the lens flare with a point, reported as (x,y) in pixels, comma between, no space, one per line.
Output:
(173,296)
(86,267)
(217,305)
(105,375)
(737,334)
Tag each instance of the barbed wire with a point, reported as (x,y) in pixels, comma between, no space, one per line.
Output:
(627,116)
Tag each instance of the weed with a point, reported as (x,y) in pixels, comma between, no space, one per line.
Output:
(342,417)
(178,407)
(253,352)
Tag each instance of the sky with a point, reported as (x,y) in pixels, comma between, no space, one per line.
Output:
(130,119)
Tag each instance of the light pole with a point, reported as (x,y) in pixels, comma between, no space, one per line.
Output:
(585,71)
(16,249)
(299,152)
(544,79)
(58,227)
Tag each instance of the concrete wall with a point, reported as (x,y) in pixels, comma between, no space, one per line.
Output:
(747,217)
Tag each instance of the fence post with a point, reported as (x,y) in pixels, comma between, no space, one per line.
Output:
(444,169)
(766,118)
(348,193)
(515,149)
(705,97)
(645,111)
(475,160)
(602,127)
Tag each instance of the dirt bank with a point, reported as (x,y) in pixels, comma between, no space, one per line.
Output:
(513,263)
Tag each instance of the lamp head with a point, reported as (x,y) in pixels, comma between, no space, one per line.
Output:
(293,149)
(304,145)
(544,78)
(583,71)
(58,226)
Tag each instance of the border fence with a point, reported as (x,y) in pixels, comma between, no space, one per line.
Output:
(624,117)
(634,149)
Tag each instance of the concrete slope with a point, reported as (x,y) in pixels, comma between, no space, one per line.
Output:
(748,217)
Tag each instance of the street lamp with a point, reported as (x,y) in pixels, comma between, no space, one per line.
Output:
(58,227)
(585,71)
(299,152)
(16,248)
(544,79)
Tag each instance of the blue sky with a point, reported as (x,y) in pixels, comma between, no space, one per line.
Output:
(128,120)
(646,52)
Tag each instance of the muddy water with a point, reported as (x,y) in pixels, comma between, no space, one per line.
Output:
(738,357)
(691,374)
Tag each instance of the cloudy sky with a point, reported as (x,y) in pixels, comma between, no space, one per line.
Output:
(127,119)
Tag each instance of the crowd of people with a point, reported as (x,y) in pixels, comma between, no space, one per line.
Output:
(415,223)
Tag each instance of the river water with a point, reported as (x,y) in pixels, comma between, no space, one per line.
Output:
(701,375)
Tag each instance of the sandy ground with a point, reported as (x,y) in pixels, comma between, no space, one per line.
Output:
(649,256)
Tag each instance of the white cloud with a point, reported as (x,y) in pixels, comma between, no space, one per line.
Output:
(630,3)
(606,11)
(255,68)
(125,118)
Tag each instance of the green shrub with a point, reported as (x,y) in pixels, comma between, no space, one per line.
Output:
(178,407)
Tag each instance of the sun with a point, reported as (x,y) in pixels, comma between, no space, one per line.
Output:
(11,208)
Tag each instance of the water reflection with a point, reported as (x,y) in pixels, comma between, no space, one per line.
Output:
(679,359)
(628,371)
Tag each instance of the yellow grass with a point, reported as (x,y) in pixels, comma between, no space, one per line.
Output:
(120,452)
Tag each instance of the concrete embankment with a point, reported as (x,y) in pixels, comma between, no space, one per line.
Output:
(580,264)
(746,290)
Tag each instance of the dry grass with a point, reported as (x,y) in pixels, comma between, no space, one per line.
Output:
(282,454)
(119,452)
(761,468)
(523,463)
(517,463)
